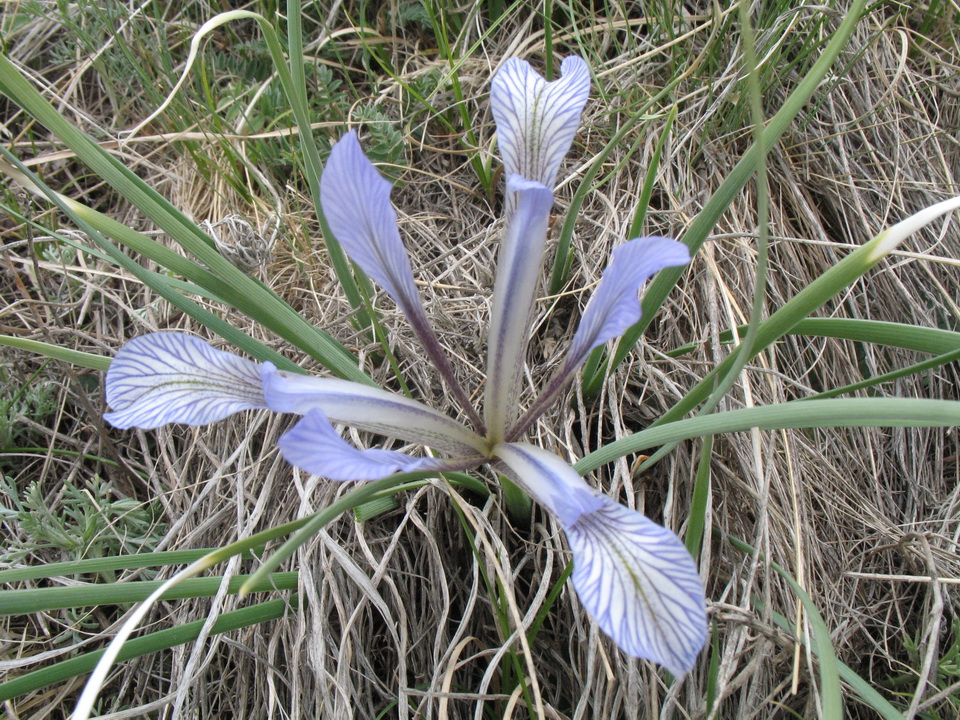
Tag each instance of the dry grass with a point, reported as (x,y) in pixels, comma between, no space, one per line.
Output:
(395,615)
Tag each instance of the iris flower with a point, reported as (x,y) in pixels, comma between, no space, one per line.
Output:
(634,577)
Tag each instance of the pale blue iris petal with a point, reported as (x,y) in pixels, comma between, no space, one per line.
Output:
(314,446)
(536,120)
(171,377)
(615,306)
(367,408)
(640,584)
(356,202)
(518,273)
(551,481)
(634,577)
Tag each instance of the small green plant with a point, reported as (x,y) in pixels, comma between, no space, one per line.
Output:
(943,701)
(76,522)
(34,400)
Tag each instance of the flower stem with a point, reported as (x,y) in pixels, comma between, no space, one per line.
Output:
(517,502)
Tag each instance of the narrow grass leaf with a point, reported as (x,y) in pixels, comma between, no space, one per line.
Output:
(253,297)
(33,600)
(812,297)
(146,645)
(891,334)
(831,695)
(75,357)
(718,203)
(852,412)
(700,500)
(156,281)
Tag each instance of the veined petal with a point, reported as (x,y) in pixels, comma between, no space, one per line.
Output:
(536,120)
(640,584)
(518,271)
(634,577)
(615,306)
(313,445)
(367,408)
(356,202)
(171,377)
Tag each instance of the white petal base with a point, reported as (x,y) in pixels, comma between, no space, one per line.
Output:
(313,445)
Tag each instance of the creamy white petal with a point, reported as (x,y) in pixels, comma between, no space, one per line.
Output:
(171,377)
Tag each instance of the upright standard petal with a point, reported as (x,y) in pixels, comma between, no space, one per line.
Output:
(313,445)
(367,408)
(634,577)
(356,202)
(518,271)
(615,305)
(613,308)
(536,120)
(171,377)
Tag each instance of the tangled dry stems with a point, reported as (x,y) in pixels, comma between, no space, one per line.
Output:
(398,610)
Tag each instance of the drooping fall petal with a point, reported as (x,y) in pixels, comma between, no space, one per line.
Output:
(640,584)
(172,377)
(314,446)
(634,577)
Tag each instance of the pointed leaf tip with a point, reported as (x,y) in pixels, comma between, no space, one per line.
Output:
(171,377)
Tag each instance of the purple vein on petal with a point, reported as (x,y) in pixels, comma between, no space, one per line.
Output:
(356,202)
(171,377)
(536,120)
(634,577)
(640,584)
(518,273)
(615,305)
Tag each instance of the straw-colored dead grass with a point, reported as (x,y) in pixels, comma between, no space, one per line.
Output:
(395,614)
